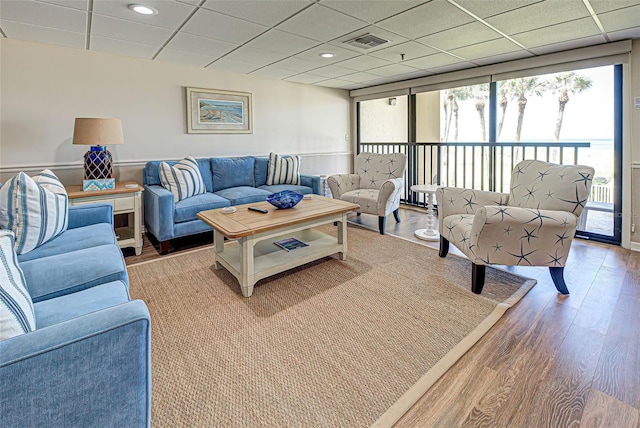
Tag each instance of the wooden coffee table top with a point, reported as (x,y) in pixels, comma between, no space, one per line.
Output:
(245,222)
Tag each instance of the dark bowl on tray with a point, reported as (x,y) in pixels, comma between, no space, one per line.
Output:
(284,199)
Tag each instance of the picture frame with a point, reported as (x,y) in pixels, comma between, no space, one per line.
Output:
(211,111)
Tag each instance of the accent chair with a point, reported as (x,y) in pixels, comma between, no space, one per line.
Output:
(376,185)
(533,225)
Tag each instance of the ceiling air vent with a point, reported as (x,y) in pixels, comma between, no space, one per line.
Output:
(366,41)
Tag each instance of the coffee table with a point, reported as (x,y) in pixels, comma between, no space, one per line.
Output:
(257,257)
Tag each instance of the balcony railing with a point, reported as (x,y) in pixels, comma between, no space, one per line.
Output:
(482,166)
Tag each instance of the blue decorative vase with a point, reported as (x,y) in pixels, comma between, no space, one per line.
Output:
(97,163)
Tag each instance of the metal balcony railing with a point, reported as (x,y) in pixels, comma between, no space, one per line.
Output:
(475,165)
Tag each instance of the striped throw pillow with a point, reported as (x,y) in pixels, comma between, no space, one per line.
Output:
(183,179)
(16,308)
(35,209)
(283,169)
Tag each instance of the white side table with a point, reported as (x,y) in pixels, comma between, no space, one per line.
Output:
(431,232)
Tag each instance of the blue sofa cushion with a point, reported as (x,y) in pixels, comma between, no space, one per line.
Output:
(260,171)
(63,308)
(151,173)
(243,195)
(73,240)
(232,172)
(293,187)
(187,209)
(60,274)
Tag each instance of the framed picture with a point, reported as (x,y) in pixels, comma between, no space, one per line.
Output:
(214,111)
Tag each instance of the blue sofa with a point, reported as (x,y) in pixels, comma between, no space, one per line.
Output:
(229,181)
(88,361)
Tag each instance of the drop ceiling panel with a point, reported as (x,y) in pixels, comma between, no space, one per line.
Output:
(371,11)
(273,72)
(232,65)
(214,25)
(393,39)
(331,71)
(484,49)
(334,83)
(282,42)
(170,13)
(621,19)
(320,23)
(572,44)
(33,33)
(392,70)
(298,65)
(601,6)
(363,63)
(44,15)
(510,56)
(74,4)
(255,56)
(313,54)
(577,29)
(121,47)
(200,45)
(451,67)
(539,14)
(129,31)
(458,37)
(305,78)
(432,17)
(360,77)
(411,50)
(629,33)
(486,8)
(432,61)
(268,13)
(181,57)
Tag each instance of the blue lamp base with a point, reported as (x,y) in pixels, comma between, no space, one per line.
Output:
(98,169)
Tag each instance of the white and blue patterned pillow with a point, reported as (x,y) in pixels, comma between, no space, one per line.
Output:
(35,209)
(283,170)
(183,179)
(16,307)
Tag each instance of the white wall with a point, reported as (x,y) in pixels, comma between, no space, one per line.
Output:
(44,88)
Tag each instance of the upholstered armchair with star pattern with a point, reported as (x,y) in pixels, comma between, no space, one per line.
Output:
(376,185)
(533,225)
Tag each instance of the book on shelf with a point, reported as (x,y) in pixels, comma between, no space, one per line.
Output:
(290,244)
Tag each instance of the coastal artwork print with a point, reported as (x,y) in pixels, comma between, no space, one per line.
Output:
(218,111)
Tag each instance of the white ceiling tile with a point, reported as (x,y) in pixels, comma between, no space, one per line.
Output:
(170,13)
(371,11)
(255,56)
(537,15)
(191,2)
(44,15)
(221,27)
(413,75)
(298,64)
(621,19)
(576,29)
(272,72)
(305,78)
(232,65)
(74,4)
(120,29)
(486,8)
(363,63)
(566,45)
(334,83)
(282,42)
(494,59)
(432,17)
(121,47)
(629,33)
(33,33)
(268,13)
(411,50)
(181,57)
(360,77)
(451,67)
(321,23)
(458,37)
(200,45)
(485,49)
(432,61)
(601,6)
(331,71)
(313,54)
(393,39)
(392,70)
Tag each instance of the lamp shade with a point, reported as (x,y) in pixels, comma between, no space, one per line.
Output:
(97,132)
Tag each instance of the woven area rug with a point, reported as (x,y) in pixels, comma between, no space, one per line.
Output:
(333,343)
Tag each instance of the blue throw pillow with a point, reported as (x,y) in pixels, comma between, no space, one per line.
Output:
(283,169)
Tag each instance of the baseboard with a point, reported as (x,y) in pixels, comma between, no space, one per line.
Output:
(634,246)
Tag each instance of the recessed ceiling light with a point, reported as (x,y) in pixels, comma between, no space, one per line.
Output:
(144,10)
(327,55)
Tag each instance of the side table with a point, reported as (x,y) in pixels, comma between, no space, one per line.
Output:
(431,232)
(125,200)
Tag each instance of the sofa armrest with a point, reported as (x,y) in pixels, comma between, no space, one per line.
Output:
(312,181)
(94,370)
(159,207)
(88,214)
(389,195)
(341,183)
(455,200)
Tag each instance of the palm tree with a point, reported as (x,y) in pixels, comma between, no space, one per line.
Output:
(566,84)
(506,94)
(450,106)
(522,88)
(481,93)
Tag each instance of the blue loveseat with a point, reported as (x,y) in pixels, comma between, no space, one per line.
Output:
(88,361)
(229,181)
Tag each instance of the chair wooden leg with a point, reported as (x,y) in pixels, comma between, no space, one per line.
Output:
(358,214)
(444,247)
(164,247)
(382,221)
(557,274)
(396,214)
(477,277)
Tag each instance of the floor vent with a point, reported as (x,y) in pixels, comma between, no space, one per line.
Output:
(366,41)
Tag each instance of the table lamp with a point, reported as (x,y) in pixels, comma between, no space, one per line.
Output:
(98,167)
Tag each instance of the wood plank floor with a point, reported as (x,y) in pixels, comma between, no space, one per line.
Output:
(551,361)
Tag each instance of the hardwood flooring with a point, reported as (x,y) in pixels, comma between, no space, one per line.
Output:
(551,361)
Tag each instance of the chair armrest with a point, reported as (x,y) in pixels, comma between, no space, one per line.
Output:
(455,200)
(87,214)
(94,370)
(341,183)
(389,195)
(521,236)
(159,208)
(312,181)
